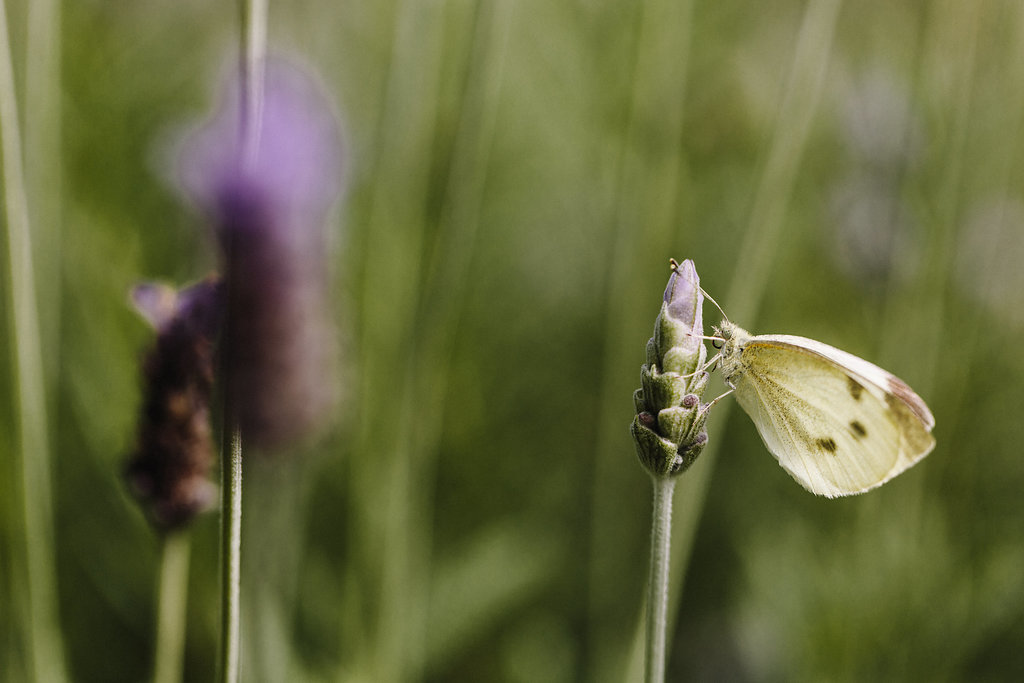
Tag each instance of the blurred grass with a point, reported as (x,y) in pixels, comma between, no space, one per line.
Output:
(520,173)
(33,583)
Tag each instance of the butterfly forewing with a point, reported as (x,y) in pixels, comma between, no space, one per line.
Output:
(880,381)
(826,416)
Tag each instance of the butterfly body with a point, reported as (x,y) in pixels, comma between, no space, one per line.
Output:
(837,423)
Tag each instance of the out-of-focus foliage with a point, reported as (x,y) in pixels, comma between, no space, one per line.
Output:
(520,173)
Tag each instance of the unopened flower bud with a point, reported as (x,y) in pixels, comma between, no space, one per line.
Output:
(675,422)
(656,453)
(673,380)
(680,325)
(688,452)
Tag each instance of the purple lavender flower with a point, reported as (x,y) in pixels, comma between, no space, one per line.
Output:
(169,470)
(270,211)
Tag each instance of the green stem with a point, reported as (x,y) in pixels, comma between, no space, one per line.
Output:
(45,651)
(231,555)
(170,625)
(657,586)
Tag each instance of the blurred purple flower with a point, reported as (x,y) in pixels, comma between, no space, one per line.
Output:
(169,470)
(270,211)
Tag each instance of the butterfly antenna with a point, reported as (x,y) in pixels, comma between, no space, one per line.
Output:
(712,300)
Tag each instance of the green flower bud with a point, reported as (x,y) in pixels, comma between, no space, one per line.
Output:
(682,360)
(657,454)
(662,389)
(668,428)
(638,400)
(652,353)
(688,453)
(699,382)
(675,422)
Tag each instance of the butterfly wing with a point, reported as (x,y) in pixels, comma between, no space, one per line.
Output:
(837,423)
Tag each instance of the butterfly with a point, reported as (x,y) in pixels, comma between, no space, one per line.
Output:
(837,423)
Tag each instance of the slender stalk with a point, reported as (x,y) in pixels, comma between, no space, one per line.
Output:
(252,51)
(657,586)
(231,554)
(45,652)
(170,625)
(43,176)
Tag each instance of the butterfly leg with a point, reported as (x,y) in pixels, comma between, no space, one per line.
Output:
(709,406)
(705,368)
(710,365)
(702,414)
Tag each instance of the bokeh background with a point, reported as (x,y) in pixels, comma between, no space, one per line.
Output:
(519,173)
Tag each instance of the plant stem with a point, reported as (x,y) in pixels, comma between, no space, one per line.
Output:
(231,554)
(657,587)
(45,651)
(252,53)
(170,625)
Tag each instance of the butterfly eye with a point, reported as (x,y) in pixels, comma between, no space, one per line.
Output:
(717,343)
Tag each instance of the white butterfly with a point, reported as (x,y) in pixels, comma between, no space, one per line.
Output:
(837,423)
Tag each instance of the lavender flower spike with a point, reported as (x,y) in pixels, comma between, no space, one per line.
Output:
(169,470)
(668,428)
(270,209)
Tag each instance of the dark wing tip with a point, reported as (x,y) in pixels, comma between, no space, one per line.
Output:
(917,406)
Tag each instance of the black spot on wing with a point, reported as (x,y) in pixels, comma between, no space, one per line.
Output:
(827,444)
(856,388)
(859,430)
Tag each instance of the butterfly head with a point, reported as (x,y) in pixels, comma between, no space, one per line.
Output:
(729,340)
(725,333)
